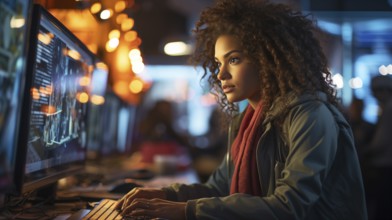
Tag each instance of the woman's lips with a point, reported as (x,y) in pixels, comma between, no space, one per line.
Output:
(227,88)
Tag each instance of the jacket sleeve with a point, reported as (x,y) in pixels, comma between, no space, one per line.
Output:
(312,138)
(217,185)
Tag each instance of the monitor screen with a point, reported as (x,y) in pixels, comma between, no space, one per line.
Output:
(103,127)
(111,128)
(126,126)
(54,116)
(96,125)
(14,19)
(99,80)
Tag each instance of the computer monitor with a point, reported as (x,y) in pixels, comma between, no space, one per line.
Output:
(14,23)
(97,104)
(126,129)
(103,133)
(53,136)
(99,82)
(111,128)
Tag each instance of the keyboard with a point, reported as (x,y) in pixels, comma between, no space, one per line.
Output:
(104,210)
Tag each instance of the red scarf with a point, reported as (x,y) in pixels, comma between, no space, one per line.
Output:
(245,177)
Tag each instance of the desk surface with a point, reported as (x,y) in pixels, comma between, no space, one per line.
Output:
(63,208)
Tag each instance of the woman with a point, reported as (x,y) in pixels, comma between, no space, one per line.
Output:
(291,153)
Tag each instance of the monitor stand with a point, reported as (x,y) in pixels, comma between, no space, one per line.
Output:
(46,194)
(38,204)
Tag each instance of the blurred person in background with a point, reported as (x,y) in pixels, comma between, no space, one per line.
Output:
(362,129)
(157,134)
(379,153)
(208,155)
(291,152)
(158,123)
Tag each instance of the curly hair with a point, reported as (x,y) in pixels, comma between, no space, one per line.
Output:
(280,41)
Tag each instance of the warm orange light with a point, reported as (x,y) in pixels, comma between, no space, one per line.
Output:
(49,109)
(130,36)
(136,86)
(49,89)
(108,48)
(35,93)
(121,88)
(74,54)
(95,8)
(97,100)
(102,65)
(90,68)
(43,90)
(44,38)
(50,34)
(17,22)
(106,14)
(112,44)
(84,81)
(121,17)
(82,97)
(127,24)
(120,6)
(114,34)
(122,63)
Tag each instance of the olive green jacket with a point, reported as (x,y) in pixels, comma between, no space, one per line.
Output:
(308,170)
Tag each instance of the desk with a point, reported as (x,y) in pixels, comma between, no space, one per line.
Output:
(63,208)
(98,191)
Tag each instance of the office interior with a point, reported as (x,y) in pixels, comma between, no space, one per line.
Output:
(147,117)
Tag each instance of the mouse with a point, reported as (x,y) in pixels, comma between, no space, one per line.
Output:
(124,187)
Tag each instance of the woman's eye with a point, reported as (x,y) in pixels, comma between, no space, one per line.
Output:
(234,60)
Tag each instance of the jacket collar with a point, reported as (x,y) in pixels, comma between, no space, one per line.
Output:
(289,101)
(278,107)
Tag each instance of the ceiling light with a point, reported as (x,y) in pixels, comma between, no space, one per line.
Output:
(127,24)
(106,14)
(177,48)
(114,42)
(356,83)
(138,67)
(17,22)
(130,36)
(136,86)
(114,34)
(121,17)
(120,6)
(134,53)
(383,70)
(95,8)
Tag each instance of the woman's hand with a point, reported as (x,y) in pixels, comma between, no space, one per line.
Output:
(137,192)
(156,208)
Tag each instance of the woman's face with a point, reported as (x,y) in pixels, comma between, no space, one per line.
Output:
(237,74)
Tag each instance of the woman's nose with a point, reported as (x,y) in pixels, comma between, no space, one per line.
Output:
(223,73)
